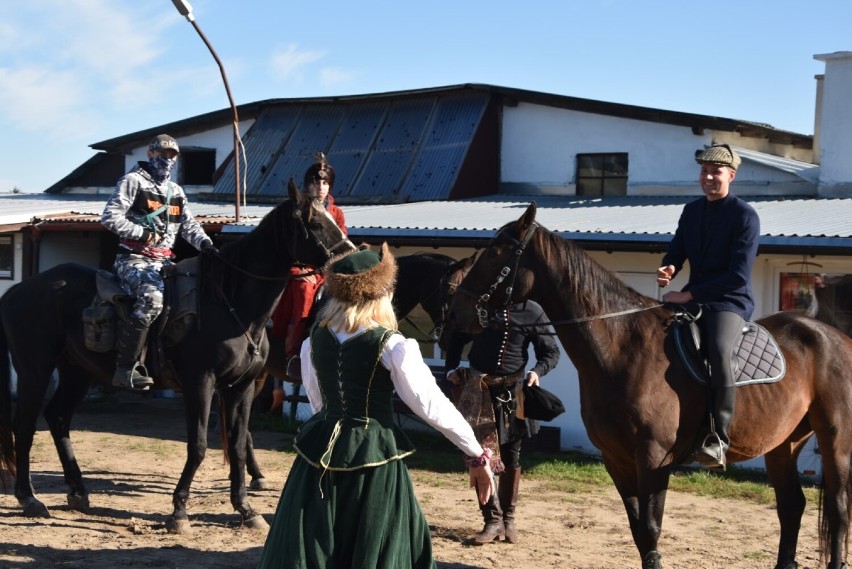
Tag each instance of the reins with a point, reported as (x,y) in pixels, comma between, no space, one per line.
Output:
(523,327)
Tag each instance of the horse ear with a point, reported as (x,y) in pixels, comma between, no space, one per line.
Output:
(526,220)
(293,191)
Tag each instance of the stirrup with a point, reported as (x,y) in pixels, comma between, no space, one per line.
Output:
(294,368)
(131,378)
(712,453)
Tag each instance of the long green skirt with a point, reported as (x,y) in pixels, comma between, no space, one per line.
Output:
(363,519)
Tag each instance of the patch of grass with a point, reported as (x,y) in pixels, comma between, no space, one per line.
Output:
(569,472)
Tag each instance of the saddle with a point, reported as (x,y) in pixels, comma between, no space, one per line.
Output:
(111,306)
(756,358)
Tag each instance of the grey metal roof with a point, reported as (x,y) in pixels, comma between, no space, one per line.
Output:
(785,221)
(407,149)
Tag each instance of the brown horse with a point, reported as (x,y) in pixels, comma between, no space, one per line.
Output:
(642,410)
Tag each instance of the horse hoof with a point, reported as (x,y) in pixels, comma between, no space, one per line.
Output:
(256,522)
(78,503)
(34,509)
(260,484)
(652,561)
(178,526)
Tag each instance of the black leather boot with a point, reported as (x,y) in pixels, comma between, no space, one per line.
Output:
(129,373)
(713,449)
(507,491)
(493,529)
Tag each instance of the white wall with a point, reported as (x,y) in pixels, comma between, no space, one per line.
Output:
(540,144)
(836,123)
(219,139)
(60,247)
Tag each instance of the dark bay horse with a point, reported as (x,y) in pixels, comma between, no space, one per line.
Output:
(427,279)
(42,331)
(640,407)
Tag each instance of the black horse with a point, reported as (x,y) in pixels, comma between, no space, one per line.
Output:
(42,330)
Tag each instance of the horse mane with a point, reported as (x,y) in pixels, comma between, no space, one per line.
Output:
(594,290)
(235,253)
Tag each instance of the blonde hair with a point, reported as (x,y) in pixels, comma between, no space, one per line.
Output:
(340,315)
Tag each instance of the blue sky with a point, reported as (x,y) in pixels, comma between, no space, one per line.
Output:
(77,72)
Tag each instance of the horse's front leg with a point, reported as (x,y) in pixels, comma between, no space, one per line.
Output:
(197,406)
(70,392)
(643,491)
(237,403)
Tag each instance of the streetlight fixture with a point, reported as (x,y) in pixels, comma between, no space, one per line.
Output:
(186,10)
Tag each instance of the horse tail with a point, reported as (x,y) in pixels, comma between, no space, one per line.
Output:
(824,499)
(223,431)
(7,442)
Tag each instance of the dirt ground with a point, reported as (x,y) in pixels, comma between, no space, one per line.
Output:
(132,450)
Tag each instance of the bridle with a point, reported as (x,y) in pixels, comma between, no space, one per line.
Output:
(481,306)
(299,226)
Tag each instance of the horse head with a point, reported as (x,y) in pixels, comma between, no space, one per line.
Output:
(497,279)
(315,236)
(450,283)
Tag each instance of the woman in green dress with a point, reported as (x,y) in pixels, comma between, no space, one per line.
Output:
(348,501)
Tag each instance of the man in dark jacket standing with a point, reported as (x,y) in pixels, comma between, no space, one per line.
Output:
(718,235)
(498,361)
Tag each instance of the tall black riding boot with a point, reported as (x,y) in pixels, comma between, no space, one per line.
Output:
(493,528)
(507,491)
(712,452)
(128,371)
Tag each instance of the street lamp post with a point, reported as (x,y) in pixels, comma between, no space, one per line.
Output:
(186,10)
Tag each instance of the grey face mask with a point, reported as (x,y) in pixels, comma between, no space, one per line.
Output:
(160,167)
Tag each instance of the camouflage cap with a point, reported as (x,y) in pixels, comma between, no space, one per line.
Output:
(163,142)
(720,154)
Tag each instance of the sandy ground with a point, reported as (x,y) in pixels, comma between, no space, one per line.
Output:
(132,450)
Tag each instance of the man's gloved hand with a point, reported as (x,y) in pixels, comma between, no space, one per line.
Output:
(209,248)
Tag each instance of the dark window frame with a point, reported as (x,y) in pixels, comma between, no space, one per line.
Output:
(600,174)
(197,166)
(7,256)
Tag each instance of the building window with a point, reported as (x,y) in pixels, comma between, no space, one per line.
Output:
(197,167)
(603,174)
(7,257)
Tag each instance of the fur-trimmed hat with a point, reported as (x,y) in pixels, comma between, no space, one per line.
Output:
(319,170)
(361,276)
(720,154)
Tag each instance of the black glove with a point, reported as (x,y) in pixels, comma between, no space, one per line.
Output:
(209,248)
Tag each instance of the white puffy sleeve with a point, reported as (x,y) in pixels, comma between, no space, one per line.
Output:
(309,378)
(417,388)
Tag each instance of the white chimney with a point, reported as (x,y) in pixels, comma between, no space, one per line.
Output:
(834,128)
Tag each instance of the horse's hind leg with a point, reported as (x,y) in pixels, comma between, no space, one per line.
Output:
(72,388)
(258,480)
(836,450)
(33,377)
(784,477)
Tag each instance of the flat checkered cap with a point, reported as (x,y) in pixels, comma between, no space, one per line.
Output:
(720,154)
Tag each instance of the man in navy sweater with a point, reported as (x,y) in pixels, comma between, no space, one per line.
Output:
(718,235)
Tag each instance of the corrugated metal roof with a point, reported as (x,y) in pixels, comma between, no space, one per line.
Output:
(785,221)
(805,170)
(406,149)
